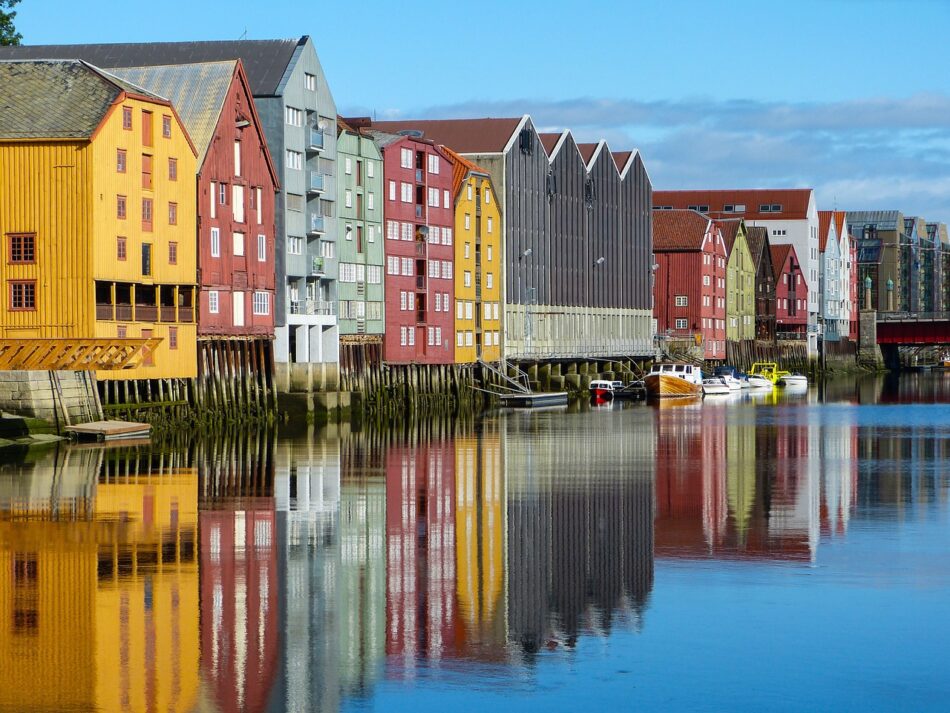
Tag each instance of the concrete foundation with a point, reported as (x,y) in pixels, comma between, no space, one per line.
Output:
(34,394)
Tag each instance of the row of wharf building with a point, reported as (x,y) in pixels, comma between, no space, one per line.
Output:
(205,193)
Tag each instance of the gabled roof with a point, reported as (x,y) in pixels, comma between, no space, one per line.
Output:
(621,158)
(779,256)
(265,61)
(197,91)
(58,99)
(463,135)
(757,237)
(549,141)
(824,228)
(730,231)
(841,223)
(461,169)
(587,152)
(675,230)
(793,201)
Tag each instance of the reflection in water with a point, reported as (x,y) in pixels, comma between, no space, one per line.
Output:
(336,564)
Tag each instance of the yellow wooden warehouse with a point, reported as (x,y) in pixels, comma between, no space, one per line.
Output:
(97,218)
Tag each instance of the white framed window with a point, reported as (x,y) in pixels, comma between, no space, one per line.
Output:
(392,230)
(374,274)
(261,248)
(488,252)
(468,221)
(459,339)
(294,245)
(495,313)
(706,280)
(237,303)
(310,82)
(469,191)
(392,265)
(348,166)
(370,201)
(326,249)
(214,199)
(446,270)
(407,231)
(486,309)
(468,309)
(438,336)
(293,116)
(490,280)
(446,236)
(403,338)
(348,198)
(237,158)
(434,197)
(407,266)
(468,247)
(257,193)
(347,272)
(468,339)
(238,240)
(681,300)
(215,242)
(487,339)
(459,310)
(433,268)
(403,300)
(467,279)
(405,158)
(213,305)
(371,233)
(434,234)
(412,337)
(392,190)
(438,301)
(261,303)
(446,202)
(490,224)
(294,159)
(431,334)
(681,324)
(433,163)
(406,190)
(370,170)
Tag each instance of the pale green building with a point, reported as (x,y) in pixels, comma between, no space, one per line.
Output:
(360,244)
(740,282)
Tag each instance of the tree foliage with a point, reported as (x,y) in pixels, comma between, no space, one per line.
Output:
(8,33)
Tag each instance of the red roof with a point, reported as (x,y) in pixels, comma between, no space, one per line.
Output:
(621,158)
(779,256)
(841,222)
(793,202)
(730,230)
(549,141)
(460,169)
(587,151)
(463,135)
(678,230)
(824,227)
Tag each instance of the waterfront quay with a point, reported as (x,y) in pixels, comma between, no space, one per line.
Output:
(668,551)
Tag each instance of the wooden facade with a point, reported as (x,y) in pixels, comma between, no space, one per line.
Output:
(111,232)
(758,240)
(740,282)
(690,294)
(791,293)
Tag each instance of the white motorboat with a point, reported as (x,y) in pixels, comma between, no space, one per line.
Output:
(716,386)
(793,380)
(759,382)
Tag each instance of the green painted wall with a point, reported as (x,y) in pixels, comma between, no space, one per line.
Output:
(740,291)
(360,208)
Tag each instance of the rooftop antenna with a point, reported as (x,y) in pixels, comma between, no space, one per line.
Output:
(243,35)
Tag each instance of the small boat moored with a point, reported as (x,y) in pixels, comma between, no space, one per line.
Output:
(667,380)
(602,389)
(716,386)
(793,380)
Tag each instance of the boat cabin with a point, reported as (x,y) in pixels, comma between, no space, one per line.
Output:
(690,372)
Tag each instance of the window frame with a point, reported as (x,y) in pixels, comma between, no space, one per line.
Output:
(12,238)
(11,294)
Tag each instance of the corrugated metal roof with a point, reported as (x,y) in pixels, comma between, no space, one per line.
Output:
(265,61)
(52,99)
(197,91)
(678,230)
(793,201)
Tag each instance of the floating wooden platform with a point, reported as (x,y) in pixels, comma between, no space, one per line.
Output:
(532,400)
(111,430)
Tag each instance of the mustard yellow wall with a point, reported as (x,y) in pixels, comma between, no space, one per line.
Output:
(45,189)
(108,183)
(490,246)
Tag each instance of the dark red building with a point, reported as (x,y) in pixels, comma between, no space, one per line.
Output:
(420,253)
(690,279)
(791,293)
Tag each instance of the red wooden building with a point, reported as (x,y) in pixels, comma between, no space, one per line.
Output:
(420,257)
(791,293)
(690,279)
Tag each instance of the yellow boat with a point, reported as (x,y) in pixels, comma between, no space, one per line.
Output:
(767,370)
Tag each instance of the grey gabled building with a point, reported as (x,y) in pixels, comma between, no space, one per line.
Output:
(298,113)
(578,237)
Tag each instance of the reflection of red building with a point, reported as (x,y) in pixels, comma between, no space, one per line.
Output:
(420,535)
(240,635)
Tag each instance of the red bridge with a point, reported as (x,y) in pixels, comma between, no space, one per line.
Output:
(913,328)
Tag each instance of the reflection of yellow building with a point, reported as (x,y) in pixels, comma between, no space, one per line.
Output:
(740,475)
(479,536)
(103,614)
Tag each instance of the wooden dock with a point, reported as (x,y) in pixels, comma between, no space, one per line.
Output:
(110,430)
(533,400)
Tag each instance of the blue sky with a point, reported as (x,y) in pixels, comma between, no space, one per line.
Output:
(852,98)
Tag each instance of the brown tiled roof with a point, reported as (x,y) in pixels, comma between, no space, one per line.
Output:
(841,222)
(824,226)
(461,167)
(729,229)
(549,141)
(587,151)
(678,230)
(463,135)
(779,256)
(757,236)
(621,158)
(341,125)
(794,201)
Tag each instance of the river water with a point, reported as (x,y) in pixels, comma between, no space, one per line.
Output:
(781,552)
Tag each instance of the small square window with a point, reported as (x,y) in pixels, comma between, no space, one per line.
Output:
(22,295)
(22,248)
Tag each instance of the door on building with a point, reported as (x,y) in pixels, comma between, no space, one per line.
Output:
(237,299)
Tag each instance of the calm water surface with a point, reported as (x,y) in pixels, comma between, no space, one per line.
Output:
(784,552)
